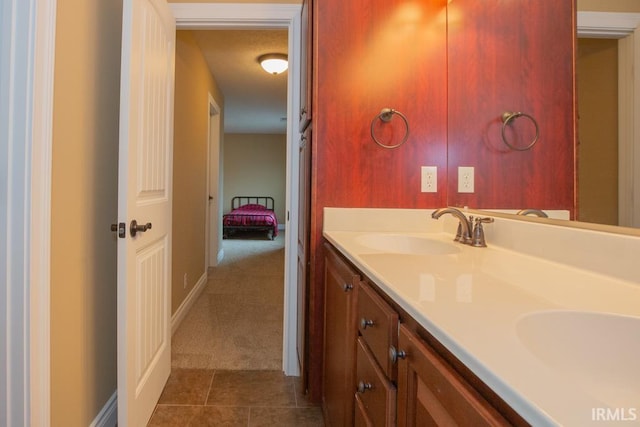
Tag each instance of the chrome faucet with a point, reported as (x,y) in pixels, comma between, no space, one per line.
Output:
(464,227)
(536,212)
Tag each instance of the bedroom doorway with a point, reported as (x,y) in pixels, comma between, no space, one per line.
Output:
(211,16)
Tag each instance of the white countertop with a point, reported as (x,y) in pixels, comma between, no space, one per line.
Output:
(485,305)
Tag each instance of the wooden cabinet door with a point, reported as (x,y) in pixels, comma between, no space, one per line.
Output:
(375,392)
(431,393)
(340,335)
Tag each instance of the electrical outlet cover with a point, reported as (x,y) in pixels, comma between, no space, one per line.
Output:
(429,179)
(466,182)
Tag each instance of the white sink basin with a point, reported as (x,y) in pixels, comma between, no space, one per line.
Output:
(404,244)
(599,351)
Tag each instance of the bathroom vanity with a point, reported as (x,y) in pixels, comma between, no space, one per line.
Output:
(541,327)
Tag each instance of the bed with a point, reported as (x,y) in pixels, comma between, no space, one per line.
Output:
(250,213)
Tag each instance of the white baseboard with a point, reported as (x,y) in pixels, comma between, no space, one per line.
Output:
(108,416)
(220,255)
(188,302)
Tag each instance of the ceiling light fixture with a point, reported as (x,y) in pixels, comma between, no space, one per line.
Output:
(274,63)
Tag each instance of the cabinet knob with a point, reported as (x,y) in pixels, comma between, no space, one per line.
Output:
(362,387)
(364,323)
(395,354)
(347,287)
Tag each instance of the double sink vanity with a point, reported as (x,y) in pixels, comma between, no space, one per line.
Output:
(540,327)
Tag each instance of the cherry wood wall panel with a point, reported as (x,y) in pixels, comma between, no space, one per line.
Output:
(452,73)
(370,55)
(507,55)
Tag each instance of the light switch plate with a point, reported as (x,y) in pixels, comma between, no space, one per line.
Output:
(429,180)
(465,179)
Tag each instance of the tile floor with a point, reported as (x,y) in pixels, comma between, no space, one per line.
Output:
(206,397)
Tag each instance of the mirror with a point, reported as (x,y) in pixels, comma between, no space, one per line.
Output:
(558,220)
(605,82)
(606,186)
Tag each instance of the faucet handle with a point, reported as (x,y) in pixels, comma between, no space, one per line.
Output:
(478,239)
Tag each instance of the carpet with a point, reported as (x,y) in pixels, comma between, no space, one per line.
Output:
(236,323)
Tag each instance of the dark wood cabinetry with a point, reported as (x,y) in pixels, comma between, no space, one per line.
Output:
(340,334)
(376,373)
(378,325)
(383,369)
(375,391)
(432,393)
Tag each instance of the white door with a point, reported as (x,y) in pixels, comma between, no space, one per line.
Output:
(144,195)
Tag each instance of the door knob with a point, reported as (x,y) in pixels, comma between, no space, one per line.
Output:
(134,228)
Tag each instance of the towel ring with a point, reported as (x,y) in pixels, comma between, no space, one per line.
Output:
(385,115)
(507,117)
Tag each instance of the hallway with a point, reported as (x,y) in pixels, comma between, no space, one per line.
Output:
(227,353)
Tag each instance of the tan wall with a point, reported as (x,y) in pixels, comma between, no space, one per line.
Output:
(255,165)
(597,97)
(597,77)
(609,5)
(84,204)
(191,137)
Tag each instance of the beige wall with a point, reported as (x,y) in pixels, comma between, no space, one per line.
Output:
(84,204)
(191,137)
(597,133)
(597,77)
(255,165)
(609,5)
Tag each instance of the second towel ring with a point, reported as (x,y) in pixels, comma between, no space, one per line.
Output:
(507,117)
(385,115)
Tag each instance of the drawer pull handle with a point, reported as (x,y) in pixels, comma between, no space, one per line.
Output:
(347,287)
(362,387)
(364,323)
(395,354)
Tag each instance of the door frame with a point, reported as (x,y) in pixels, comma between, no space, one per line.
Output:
(626,28)
(27,55)
(212,16)
(214,150)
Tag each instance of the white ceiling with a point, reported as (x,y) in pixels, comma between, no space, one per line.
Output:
(254,101)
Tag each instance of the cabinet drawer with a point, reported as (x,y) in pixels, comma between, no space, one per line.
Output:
(376,393)
(432,393)
(361,418)
(378,325)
